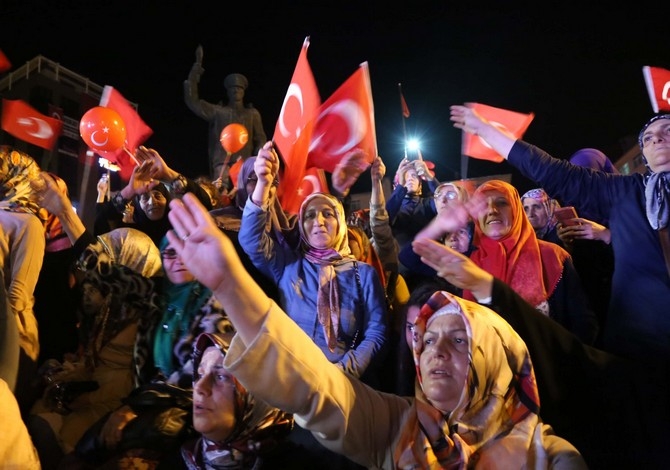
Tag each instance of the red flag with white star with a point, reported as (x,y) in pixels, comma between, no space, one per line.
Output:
(293,129)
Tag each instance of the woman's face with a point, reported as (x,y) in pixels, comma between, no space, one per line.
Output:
(444,196)
(174,269)
(213,397)
(458,240)
(444,361)
(412,181)
(320,224)
(496,219)
(536,212)
(412,314)
(153,204)
(92,299)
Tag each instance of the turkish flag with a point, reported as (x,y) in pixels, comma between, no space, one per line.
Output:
(510,122)
(293,128)
(403,106)
(658,87)
(313,181)
(26,123)
(137,132)
(5,64)
(345,122)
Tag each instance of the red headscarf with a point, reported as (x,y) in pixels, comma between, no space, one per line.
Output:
(530,266)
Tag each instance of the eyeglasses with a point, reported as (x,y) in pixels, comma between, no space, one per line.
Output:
(169,253)
(449,195)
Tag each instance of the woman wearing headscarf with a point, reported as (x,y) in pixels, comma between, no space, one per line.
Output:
(22,244)
(150,188)
(477,405)
(336,300)
(237,431)
(638,212)
(446,194)
(117,298)
(541,272)
(539,209)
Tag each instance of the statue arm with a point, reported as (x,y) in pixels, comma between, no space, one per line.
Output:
(201,108)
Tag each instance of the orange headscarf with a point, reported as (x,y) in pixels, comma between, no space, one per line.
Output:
(530,266)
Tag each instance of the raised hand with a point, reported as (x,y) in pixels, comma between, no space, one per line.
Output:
(455,267)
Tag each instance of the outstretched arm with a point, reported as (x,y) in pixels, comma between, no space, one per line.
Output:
(211,257)
(455,267)
(470,121)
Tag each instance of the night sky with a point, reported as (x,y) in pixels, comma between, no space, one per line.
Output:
(578,68)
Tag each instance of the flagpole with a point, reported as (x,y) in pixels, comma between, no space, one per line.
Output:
(402,116)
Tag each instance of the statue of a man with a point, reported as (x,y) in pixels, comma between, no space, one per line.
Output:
(220,116)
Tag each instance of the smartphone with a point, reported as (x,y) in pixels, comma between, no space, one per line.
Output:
(566,215)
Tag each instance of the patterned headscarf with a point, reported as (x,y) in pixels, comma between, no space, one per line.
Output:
(258,426)
(498,411)
(657,187)
(127,246)
(530,266)
(548,204)
(119,265)
(328,297)
(17,171)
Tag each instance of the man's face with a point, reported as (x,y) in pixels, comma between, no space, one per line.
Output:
(656,145)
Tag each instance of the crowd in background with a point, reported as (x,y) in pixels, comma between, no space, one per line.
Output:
(128,344)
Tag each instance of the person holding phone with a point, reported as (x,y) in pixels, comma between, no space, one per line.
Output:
(408,208)
(639,217)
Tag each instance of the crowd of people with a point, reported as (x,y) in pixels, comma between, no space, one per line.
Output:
(455,326)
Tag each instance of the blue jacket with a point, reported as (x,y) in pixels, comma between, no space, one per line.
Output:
(363,319)
(638,324)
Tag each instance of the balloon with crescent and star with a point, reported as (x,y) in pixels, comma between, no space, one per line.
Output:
(102,129)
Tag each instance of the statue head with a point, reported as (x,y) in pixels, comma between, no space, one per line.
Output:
(236,80)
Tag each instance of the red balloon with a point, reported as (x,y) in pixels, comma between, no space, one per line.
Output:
(102,129)
(233,137)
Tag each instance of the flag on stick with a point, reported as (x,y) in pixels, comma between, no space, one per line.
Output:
(403,105)
(293,128)
(26,123)
(511,123)
(658,87)
(137,131)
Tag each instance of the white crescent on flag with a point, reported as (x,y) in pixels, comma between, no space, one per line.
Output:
(354,130)
(44,130)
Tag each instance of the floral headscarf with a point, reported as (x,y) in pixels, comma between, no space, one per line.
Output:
(548,204)
(17,171)
(657,187)
(498,411)
(258,426)
(328,297)
(530,266)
